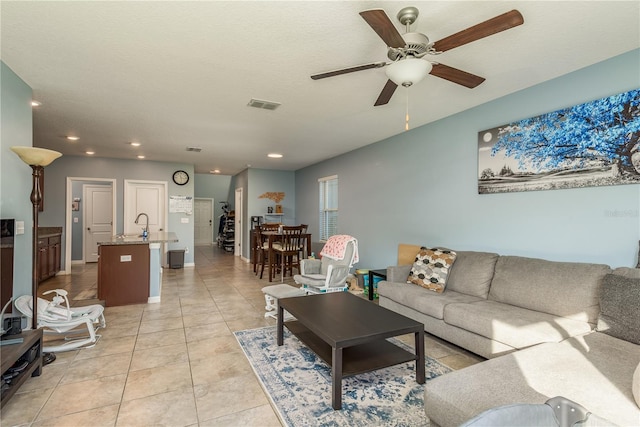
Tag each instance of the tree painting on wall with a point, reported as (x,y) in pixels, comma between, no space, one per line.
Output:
(591,144)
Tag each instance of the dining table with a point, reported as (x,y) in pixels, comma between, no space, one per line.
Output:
(276,236)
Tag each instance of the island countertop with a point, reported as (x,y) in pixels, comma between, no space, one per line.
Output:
(135,239)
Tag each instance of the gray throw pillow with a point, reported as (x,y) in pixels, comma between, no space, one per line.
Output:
(619,302)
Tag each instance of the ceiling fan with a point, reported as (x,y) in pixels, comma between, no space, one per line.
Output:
(406,51)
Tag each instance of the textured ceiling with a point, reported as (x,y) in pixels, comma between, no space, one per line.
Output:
(171,75)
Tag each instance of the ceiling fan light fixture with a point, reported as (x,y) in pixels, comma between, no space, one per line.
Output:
(409,71)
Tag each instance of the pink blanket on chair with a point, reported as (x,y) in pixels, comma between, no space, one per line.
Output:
(337,245)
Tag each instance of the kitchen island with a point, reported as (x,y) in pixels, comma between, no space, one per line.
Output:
(129,268)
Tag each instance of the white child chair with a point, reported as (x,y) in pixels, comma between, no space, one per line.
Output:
(64,321)
(329,274)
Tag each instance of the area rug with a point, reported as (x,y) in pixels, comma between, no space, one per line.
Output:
(299,385)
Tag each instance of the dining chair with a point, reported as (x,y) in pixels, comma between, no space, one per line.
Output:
(288,250)
(256,247)
(262,248)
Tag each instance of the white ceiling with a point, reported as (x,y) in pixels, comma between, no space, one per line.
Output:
(173,74)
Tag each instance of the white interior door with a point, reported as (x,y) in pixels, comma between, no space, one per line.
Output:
(203,221)
(147,197)
(238,224)
(97,218)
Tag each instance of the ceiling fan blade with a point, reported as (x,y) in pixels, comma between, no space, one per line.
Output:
(492,26)
(382,25)
(348,70)
(456,76)
(386,94)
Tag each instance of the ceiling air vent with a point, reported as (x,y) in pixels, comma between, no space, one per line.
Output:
(265,105)
(194,149)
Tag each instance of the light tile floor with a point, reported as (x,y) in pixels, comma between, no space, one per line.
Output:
(174,363)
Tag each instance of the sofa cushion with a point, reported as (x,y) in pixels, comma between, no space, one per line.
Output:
(472,272)
(431,268)
(594,370)
(635,386)
(631,273)
(566,289)
(415,297)
(511,325)
(619,308)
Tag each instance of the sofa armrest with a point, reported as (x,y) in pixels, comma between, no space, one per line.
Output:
(398,273)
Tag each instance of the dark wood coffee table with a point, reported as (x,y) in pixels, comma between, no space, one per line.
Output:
(349,333)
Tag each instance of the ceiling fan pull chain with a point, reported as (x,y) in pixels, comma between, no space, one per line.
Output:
(406,123)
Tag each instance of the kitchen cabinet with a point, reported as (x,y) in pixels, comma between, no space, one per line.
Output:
(49,261)
(129,268)
(123,274)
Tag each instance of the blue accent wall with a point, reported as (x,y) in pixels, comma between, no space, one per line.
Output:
(420,187)
(15,176)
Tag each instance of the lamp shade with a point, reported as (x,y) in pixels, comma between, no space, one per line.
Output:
(34,156)
(409,71)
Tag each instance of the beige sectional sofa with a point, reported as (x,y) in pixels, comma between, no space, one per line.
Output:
(535,320)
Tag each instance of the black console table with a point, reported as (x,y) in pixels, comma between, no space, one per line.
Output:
(29,349)
(379,273)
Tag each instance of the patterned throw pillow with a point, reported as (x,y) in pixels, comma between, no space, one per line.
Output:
(431,268)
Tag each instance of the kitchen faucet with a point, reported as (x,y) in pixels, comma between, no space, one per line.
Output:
(145,230)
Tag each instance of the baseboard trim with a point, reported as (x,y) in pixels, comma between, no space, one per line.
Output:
(153,300)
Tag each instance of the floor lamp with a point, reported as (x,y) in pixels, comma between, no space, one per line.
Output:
(37,158)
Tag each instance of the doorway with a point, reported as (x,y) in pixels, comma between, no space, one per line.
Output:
(148,197)
(203,222)
(238,223)
(97,218)
(69,215)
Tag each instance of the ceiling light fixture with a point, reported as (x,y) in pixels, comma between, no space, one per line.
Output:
(135,144)
(72,138)
(91,153)
(409,71)
(35,103)
(275,155)
(141,156)
(215,171)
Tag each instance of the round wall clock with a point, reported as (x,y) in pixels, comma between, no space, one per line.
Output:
(180,177)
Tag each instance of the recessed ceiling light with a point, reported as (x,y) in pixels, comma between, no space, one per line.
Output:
(141,157)
(275,155)
(215,171)
(73,138)
(91,153)
(135,144)
(35,103)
